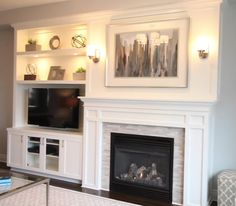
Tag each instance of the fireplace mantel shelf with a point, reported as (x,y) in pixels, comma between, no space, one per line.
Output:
(177,101)
(149,103)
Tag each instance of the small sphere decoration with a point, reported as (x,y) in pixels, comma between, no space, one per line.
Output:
(78,41)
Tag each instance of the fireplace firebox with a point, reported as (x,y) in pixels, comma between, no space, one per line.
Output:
(142,165)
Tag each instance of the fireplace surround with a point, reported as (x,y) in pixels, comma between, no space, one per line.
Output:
(177,134)
(193,118)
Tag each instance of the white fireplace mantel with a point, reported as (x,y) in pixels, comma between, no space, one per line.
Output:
(193,117)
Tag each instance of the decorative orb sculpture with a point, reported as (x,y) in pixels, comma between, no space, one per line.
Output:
(78,41)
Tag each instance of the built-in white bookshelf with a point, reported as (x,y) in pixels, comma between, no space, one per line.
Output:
(66,55)
(49,151)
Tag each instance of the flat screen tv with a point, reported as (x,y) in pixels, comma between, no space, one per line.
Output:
(53,107)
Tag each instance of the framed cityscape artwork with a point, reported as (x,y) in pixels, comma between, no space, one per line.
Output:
(148,54)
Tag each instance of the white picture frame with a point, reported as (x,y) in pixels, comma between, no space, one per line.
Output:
(132,45)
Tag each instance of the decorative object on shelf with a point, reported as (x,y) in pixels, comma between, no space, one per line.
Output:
(56,73)
(148,54)
(78,41)
(80,74)
(55,42)
(31,71)
(32,45)
(93,53)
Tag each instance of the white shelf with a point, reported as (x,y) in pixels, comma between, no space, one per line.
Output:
(47,82)
(33,153)
(34,142)
(52,156)
(55,144)
(51,53)
(40,131)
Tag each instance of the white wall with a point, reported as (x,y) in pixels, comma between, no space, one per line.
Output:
(225,113)
(6,85)
(202,74)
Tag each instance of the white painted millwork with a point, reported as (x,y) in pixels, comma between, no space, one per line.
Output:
(15,149)
(192,116)
(68,57)
(72,157)
(187,108)
(69,158)
(66,162)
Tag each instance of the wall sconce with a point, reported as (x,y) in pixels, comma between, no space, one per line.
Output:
(93,53)
(202,47)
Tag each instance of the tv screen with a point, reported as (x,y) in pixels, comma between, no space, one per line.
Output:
(57,108)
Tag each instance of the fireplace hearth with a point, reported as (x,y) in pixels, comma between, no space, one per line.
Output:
(142,165)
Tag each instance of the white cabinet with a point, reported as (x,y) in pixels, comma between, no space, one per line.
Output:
(43,153)
(72,157)
(15,147)
(51,152)
(33,152)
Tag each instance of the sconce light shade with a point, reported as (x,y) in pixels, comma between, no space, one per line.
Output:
(93,53)
(202,47)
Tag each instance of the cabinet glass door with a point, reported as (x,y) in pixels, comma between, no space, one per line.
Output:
(52,154)
(33,152)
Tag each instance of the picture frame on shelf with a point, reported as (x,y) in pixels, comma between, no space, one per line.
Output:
(56,73)
(150,54)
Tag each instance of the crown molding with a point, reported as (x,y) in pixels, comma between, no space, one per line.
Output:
(167,10)
(160,11)
(85,18)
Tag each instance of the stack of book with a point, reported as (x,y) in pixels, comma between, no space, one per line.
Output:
(5,180)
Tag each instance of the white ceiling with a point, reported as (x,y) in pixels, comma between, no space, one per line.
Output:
(13,4)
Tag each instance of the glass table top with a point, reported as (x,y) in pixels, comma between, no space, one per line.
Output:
(19,182)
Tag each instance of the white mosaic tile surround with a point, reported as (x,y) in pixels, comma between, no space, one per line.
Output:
(171,132)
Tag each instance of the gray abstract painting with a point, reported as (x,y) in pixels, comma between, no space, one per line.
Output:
(147,54)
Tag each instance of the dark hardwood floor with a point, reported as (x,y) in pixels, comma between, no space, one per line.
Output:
(112,195)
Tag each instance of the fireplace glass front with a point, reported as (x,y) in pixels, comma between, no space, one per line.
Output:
(142,165)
